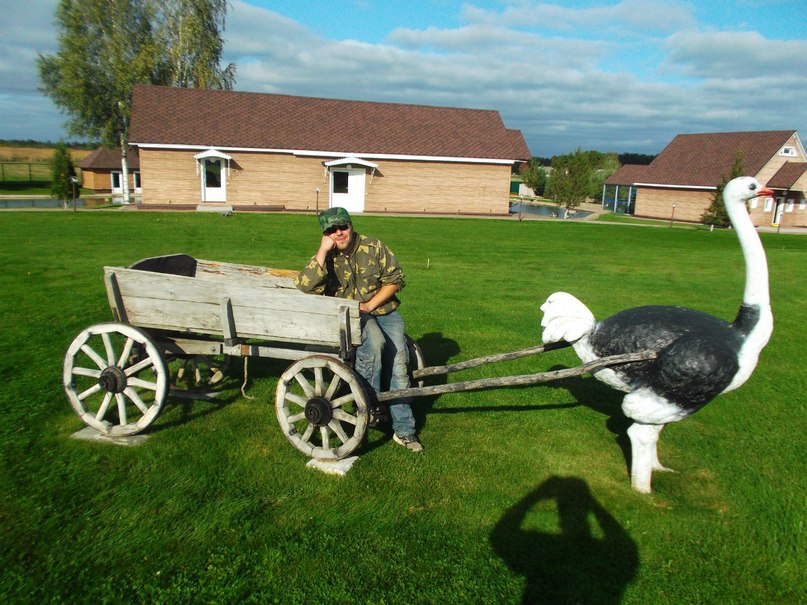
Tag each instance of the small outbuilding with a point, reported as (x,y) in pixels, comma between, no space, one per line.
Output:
(101,171)
(681,181)
(220,150)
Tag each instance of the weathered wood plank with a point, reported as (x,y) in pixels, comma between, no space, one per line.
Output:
(510,381)
(265,276)
(260,310)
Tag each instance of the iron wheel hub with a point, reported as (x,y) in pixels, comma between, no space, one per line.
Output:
(112,380)
(318,411)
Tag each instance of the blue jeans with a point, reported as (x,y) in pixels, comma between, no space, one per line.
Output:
(382,359)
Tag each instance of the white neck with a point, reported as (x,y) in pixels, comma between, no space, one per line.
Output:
(756,292)
(756,264)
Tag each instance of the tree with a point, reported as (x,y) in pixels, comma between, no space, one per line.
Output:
(191,44)
(570,180)
(534,176)
(716,213)
(63,172)
(104,48)
(107,46)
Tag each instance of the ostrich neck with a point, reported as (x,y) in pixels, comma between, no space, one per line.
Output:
(756,264)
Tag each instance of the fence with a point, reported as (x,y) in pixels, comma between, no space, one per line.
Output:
(25,172)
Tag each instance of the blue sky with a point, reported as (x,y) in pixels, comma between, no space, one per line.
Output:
(623,76)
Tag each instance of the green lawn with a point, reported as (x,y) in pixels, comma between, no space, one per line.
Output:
(522,494)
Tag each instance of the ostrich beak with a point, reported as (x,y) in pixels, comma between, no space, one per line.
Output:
(764,192)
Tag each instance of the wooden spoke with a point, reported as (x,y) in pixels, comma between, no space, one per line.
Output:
(90,352)
(334,415)
(201,370)
(104,405)
(87,372)
(301,401)
(344,416)
(344,400)
(336,427)
(131,371)
(135,398)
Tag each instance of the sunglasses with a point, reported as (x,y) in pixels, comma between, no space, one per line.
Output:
(335,228)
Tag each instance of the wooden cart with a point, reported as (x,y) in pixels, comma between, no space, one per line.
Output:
(180,308)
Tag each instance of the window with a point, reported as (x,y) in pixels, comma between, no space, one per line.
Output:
(754,203)
(340,179)
(136,180)
(116,181)
(789,207)
(789,152)
(768,204)
(212,173)
(802,204)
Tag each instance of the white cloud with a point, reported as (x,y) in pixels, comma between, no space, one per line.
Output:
(735,55)
(605,83)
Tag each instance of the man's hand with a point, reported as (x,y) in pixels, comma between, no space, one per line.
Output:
(326,245)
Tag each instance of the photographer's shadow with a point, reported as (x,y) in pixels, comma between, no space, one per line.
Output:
(589,559)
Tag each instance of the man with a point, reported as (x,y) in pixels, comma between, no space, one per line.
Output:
(354,266)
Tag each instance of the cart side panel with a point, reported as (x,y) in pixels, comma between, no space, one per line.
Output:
(262,311)
(265,276)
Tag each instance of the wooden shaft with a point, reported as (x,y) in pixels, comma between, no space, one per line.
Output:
(510,381)
(478,361)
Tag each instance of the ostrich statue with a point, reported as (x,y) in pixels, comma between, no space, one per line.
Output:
(698,356)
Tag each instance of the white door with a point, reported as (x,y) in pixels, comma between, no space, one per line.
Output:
(214,181)
(117,182)
(347,189)
(780,208)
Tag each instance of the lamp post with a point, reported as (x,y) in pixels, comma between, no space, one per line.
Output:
(73,184)
(672,216)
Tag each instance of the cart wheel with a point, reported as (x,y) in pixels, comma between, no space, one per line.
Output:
(322,407)
(115,378)
(201,370)
(416,361)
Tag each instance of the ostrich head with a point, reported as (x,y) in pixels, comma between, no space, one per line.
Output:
(565,318)
(738,192)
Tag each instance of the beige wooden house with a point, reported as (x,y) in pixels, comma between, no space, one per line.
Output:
(220,150)
(680,182)
(101,172)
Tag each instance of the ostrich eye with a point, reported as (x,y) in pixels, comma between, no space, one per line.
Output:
(752,186)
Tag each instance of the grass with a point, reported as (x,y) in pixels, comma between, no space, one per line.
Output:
(521,494)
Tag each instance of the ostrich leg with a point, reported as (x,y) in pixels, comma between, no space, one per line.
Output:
(644,459)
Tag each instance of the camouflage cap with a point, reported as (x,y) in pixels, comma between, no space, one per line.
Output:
(333,217)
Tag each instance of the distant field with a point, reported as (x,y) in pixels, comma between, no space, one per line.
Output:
(36,154)
(30,164)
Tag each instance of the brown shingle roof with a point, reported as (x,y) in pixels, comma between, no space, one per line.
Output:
(703,160)
(628,175)
(787,175)
(109,159)
(246,120)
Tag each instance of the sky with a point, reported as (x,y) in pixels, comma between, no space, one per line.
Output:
(622,76)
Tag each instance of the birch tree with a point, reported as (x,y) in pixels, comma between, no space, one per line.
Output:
(105,47)
(189,32)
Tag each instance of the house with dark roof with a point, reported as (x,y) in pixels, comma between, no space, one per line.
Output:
(681,181)
(101,171)
(216,149)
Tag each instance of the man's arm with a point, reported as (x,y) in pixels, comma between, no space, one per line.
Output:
(382,295)
(311,279)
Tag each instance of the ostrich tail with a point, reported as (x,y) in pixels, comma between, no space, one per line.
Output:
(565,318)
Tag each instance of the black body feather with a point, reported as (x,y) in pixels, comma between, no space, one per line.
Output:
(697,352)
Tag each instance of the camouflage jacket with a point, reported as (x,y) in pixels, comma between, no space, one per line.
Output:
(357,275)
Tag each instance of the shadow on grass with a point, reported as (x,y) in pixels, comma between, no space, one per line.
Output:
(589,559)
(587,392)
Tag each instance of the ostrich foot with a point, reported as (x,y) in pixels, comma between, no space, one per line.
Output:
(658,466)
(644,460)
